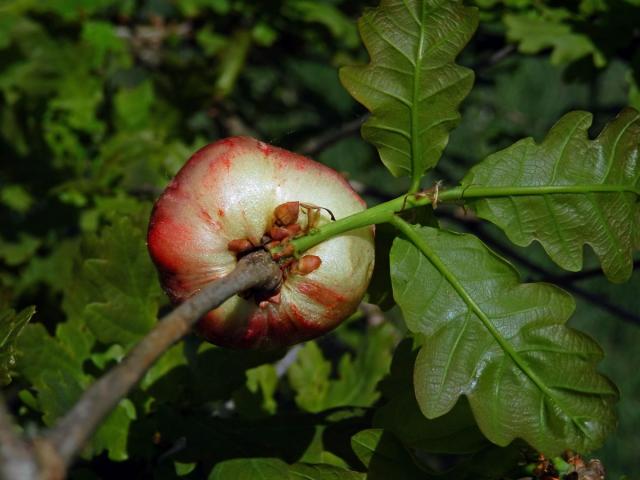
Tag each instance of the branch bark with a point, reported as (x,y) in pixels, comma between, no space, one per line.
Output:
(17,459)
(49,455)
(316,145)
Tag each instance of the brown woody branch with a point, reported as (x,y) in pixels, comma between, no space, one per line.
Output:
(17,459)
(48,456)
(316,145)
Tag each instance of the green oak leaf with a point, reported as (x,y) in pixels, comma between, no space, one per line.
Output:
(329,443)
(304,471)
(358,376)
(535,34)
(412,86)
(568,191)
(500,343)
(324,13)
(384,456)
(453,433)
(124,293)
(276,469)
(11,326)
(40,355)
(257,397)
(55,370)
(16,253)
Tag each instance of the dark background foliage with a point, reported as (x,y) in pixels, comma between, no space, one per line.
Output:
(101,102)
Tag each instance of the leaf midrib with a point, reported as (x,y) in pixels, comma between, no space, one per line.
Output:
(471,191)
(435,260)
(416,160)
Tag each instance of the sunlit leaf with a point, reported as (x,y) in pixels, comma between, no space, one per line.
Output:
(569,191)
(123,281)
(500,343)
(536,33)
(358,376)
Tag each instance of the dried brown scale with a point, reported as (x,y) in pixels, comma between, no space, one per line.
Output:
(276,236)
(279,233)
(317,208)
(287,213)
(286,251)
(308,264)
(240,245)
(293,229)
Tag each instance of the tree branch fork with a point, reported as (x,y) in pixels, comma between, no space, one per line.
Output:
(48,455)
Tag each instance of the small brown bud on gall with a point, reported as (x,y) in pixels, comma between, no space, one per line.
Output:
(308,264)
(239,245)
(293,229)
(287,213)
(278,233)
(286,251)
(272,244)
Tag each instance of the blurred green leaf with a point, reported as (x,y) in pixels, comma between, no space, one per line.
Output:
(536,33)
(500,343)
(112,436)
(183,469)
(101,39)
(15,253)
(125,293)
(7,22)
(322,80)
(328,15)
(218,372)
(194,7)
(53,370)
(11,326)
(309,377)
(358,376)
(78,98)
(232,60)
(133,107)
(16,198)
(264,35)
(412,85)
(54,366)
(170,361)
(72,9)
(210,41)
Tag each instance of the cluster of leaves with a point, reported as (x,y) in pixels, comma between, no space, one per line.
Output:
(102,101)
